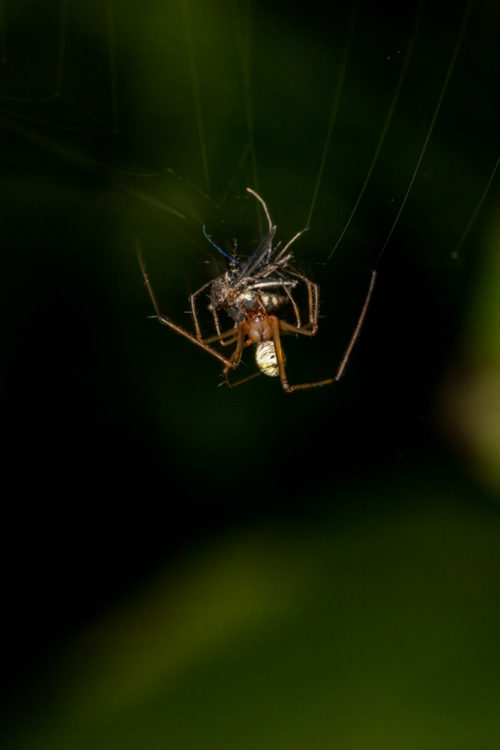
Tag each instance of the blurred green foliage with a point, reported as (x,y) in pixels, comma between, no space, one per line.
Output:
(379,631)
(189,566)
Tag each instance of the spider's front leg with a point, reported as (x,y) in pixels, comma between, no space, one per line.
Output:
(228,363)
(241,331)
(357,330)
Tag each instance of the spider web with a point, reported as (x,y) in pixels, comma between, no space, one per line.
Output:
(95,73)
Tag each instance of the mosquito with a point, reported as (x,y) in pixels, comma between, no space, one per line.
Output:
(257,294)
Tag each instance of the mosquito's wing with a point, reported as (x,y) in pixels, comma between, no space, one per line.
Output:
(260,256)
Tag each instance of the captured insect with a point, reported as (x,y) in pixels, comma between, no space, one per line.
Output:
(254,295)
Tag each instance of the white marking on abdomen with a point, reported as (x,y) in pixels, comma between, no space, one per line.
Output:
(267,361)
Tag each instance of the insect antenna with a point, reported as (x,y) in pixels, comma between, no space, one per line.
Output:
(226,255)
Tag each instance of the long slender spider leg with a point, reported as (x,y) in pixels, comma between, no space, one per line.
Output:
(279,352)
(304,330)
(240,342)
(192,298)
(276,323)
(236,356)
(263,204)
(220,337)
(165,321)
(216,321)
(307,331)
(226,362)
(357,330)
(243,380)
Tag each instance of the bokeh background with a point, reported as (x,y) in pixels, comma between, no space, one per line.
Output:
(188,566)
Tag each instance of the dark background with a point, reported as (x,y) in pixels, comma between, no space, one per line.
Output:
(129,473)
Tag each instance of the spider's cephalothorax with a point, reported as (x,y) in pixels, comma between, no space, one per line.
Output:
(254,293)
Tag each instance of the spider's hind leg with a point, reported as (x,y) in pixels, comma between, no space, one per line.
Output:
(239,382)
(276,325)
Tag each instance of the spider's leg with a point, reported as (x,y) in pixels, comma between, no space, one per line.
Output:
(236,357)
(290,328)
(226,362)
(357,330)
(226,338)
(276,323)
(306,330)
(243,380)
(165,321)
(217,324)
(240,343)
(221,337)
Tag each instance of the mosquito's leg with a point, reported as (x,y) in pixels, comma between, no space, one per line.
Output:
(357,330)
(263,204)
(313,296)
(216,321)
(290,242)
(294,305)
(214,315)
(312,301)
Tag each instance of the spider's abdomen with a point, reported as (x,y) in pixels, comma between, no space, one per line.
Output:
(266,358)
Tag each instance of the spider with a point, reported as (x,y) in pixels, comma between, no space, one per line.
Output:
(253,293)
